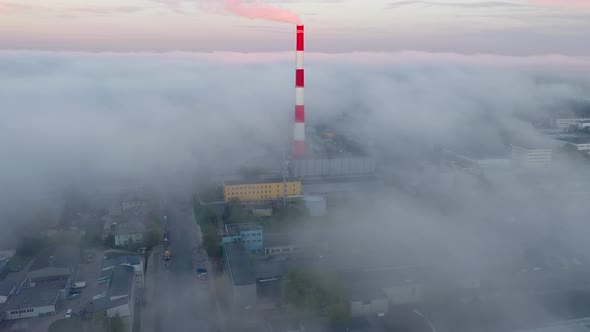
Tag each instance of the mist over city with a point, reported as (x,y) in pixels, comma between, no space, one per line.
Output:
(429,174)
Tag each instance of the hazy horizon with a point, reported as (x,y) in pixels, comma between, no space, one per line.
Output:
(510,27)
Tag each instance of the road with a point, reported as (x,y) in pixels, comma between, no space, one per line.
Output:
(175,299)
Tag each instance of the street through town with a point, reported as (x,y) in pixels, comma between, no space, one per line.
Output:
(175,299)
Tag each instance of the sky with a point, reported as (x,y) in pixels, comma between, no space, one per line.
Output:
(507,27)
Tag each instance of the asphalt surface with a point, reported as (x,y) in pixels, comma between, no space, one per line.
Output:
(176,300)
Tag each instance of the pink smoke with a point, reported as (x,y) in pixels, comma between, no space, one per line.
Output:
(261,11)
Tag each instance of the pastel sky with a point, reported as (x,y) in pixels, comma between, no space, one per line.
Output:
(509,27)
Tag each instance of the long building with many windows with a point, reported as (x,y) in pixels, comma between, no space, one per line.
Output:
(260,190)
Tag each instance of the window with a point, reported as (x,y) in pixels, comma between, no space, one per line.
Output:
(14,312)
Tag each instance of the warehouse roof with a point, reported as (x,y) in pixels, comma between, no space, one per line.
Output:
(6,287)
(42,294)
(105,303)
(49,272)
(121,260)
(256,181)
(576,140)
(122,281)
(366,293)
(241,270)
(237,228)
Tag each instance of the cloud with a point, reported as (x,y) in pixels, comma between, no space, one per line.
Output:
(64,10)
(471,4)
(86,116)
(561,3)
(251,10)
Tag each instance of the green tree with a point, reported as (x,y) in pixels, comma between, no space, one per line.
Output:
(212,241)
(237,213)
(153,237)
(206,216)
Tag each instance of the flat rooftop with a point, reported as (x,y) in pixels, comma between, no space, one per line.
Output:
(257,181)
(237,228)
(241,269)
(42,294)
(122,280)
(576,139)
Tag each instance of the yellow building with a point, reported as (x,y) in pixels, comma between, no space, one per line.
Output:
(267,189)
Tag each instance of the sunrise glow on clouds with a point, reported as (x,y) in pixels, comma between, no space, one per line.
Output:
(510,27)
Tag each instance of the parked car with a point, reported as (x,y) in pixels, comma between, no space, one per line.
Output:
(69,313)
(73,296)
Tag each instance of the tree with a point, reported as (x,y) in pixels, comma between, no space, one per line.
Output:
(237,213)
(152,237)
(206,216)
(212,241)
(109,241)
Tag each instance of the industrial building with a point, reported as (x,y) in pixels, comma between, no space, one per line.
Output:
(134,261)
(529,156)
(375,281)
(7,287)
(331,167)
(368,301)
(115,294)
(260,189)
(241,275)
(39,294)
(250,234)
(565,124)
(582,143)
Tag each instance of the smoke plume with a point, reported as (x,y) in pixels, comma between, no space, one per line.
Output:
(262,11)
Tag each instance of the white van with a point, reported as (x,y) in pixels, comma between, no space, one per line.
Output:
(69,313)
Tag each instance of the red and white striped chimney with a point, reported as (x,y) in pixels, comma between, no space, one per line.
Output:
(299,132)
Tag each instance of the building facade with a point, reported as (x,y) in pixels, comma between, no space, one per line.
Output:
(251,234)
(264,189)
(531,157)
(128,233)
(368,302)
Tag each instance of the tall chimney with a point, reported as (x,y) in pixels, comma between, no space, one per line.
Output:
(299,132)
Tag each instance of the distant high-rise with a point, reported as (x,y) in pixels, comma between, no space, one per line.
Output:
(299,130)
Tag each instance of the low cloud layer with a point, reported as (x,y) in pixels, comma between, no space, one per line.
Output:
(75,118)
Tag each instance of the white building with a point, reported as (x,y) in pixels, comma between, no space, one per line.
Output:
(530,157)
(567,123)
(34,299)
(127,233)
(368,302)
